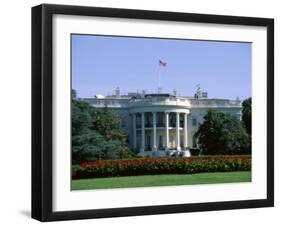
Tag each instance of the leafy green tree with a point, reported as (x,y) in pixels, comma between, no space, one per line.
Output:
(87,146)
(222,133)
(247,114)
(107,124)
(96,134)
(73,93)
(81,117)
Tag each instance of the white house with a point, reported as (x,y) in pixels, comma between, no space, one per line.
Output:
(161,121)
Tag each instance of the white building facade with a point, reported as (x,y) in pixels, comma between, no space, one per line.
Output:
(159,122)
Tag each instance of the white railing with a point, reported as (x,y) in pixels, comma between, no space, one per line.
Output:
(215,103)
(159,101)
(165,101)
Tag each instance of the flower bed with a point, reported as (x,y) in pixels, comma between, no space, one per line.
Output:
(150,166)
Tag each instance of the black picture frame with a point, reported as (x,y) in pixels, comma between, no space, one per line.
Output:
(42,111)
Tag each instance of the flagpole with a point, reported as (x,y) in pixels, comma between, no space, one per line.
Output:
(158,79)
(160,63)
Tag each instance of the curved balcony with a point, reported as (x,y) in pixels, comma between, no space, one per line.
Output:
(159,101)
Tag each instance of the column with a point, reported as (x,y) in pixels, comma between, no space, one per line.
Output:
(142,133)
(178,131)
(154,146)
(185,131)
(134,131)
(167,130)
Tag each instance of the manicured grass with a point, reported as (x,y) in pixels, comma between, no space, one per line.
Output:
(161,180)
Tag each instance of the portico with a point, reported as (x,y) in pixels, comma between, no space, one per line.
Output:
(160,130)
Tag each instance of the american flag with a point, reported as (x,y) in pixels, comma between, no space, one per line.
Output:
(162,63)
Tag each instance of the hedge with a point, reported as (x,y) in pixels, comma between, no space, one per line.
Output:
(151,166)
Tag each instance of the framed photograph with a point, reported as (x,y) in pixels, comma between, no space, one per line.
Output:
(146,112)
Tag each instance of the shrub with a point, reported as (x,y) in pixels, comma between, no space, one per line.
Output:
(194,151)
(151,166)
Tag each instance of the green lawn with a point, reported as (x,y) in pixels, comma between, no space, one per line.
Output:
(161,180)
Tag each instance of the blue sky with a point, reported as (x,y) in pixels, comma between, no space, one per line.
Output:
(102,63)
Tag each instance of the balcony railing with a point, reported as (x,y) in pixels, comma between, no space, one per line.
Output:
(215,103)
(159,101)
(155,101)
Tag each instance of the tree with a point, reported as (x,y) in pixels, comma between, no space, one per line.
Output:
(107,124)
(87,146)
(247,114)
(73,93)
(96,134)
(222,133)
(81,117)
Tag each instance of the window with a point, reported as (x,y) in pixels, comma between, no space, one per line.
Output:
(194,122)
(148,142)
(161,142)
